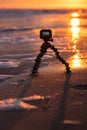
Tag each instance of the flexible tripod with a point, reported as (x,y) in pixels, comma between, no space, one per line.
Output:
(43,50)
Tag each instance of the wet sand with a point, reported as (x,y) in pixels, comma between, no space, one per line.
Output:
(62,102)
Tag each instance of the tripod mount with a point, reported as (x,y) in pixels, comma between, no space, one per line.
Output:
(43,50)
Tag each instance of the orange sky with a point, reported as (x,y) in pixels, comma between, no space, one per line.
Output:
(43,3)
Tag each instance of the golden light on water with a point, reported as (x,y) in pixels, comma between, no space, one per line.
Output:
(76,62)
(75,22)
(75,29)
(75,35)
(75,14)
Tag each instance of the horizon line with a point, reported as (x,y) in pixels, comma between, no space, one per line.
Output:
(43,8)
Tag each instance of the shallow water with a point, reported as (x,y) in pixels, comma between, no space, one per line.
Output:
(19,35)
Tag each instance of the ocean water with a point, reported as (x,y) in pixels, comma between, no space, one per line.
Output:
(19,36)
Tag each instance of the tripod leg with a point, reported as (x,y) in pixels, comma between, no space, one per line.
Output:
(37,63)
(38,59)
(61,59)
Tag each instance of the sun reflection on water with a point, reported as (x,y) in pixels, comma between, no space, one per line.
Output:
(75,22)
(76,62)
(75,14)
(75,30)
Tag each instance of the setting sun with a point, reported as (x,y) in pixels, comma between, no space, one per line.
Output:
(43,4)
(75,14)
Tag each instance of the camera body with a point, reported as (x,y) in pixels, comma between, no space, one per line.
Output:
(46,34)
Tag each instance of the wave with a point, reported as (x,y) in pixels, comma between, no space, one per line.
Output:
(2,77)
(4,30)
(9,63)
(15,29)
(26,12)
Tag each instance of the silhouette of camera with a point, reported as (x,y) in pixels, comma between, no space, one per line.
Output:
(46,34)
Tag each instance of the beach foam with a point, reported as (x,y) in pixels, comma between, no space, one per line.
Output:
(20,103)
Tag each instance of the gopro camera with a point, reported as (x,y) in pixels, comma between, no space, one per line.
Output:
(46,34)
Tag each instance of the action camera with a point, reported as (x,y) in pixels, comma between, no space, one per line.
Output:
(46,34)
